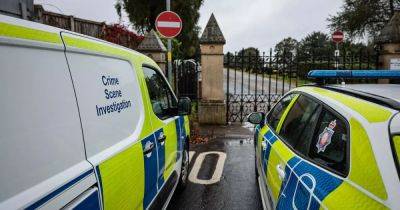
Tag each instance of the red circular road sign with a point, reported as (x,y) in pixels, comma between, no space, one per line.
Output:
(169,24)
(337,36)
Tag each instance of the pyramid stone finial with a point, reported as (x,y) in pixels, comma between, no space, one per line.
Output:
(153,47)
(151,43)
(212,34)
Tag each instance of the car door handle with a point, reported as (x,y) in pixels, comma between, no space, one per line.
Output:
(148,149)
(264,145)
(281,172)
(161,139)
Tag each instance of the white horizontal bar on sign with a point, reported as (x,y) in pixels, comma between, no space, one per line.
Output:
(166,24)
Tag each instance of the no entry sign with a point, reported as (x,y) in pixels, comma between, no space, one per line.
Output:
(169,24)
(337,36)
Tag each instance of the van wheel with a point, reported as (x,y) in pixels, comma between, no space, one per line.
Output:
(183,179)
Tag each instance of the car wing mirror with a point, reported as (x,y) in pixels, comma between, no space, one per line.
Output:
(256,118)
(184,106)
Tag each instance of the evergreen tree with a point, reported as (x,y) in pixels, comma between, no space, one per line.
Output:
(143,13)
(363,17)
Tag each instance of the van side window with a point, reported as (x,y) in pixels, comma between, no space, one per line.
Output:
(277,112)
(329,145)
(162,100)
(299,117)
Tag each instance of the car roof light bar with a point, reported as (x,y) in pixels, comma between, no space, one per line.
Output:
(350,74)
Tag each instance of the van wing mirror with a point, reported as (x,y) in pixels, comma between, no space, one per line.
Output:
(256,118)
(184,106)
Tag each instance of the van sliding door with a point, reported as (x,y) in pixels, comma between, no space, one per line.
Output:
(112,114)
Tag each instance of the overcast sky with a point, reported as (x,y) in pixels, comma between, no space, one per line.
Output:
(244,23)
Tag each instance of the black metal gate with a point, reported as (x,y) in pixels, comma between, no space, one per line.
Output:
(255,82)
(186,73)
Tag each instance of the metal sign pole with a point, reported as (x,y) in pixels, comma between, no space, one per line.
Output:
(337,56)
(169,53)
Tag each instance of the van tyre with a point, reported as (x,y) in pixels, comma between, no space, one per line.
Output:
(183,178)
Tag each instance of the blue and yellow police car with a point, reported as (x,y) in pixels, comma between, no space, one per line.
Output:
(331,146)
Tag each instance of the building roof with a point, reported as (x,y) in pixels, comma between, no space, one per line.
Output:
(391,32)
(152,42)
(212,34)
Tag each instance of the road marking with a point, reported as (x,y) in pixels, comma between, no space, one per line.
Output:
(216,177)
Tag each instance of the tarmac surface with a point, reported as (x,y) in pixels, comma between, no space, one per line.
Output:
(222,173)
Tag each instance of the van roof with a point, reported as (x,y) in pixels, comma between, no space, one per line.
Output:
(30,25)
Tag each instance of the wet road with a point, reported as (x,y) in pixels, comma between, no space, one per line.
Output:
(235,188)
(252,83)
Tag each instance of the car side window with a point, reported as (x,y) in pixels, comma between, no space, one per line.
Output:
(304,142)
(299,118)
(329,145)
(275,115)
(162,100)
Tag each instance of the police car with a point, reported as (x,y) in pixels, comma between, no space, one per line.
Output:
(85,124)
(331,146)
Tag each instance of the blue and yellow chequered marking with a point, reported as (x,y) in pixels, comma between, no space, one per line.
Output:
(181,138)
(151,170)
(119,189)
(305,185)
(161,158)
(285,192)
(364,172)
(270,139)
(170,147)
(279,155)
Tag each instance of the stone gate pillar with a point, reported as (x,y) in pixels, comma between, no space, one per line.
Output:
(153,47)
(389,43)
(212,107)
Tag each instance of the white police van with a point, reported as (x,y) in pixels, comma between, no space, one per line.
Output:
(85,124)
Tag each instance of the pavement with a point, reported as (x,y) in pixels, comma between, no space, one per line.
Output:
(222,172)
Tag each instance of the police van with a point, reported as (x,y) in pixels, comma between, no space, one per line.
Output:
(85,124)
(331,146)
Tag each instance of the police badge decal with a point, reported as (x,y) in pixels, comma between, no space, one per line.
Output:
(325,137)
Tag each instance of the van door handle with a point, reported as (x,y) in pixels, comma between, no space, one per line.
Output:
(148,149)
(161,139)
(281,172)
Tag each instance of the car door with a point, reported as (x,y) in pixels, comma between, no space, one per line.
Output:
(317,140)
(267,137)
(167,125)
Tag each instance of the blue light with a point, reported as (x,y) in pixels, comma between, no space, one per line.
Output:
(367,74)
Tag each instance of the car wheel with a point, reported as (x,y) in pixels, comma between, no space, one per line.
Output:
(183,179)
